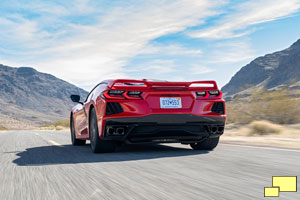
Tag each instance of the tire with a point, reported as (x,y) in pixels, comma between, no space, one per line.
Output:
(75,142)
(208,144)
(98,145)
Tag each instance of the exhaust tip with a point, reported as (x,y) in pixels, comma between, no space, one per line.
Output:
(214,130)
(220,129)
(120,131)
(115,131)
(110,131)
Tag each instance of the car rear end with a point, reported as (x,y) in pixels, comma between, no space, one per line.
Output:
(162,112)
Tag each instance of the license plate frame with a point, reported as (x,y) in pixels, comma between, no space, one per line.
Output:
(170,102)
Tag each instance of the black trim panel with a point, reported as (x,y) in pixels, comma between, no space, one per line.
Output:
(165,128)
(169,119)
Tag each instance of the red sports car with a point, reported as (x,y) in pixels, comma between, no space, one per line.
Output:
(147,111)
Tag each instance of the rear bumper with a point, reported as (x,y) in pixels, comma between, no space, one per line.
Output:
(163,128)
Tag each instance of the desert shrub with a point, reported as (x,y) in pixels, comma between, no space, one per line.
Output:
(63,123)
(237,115)
(276,106)
(59,125)
(58,128)
(2,128)
(264,128)
(238,111)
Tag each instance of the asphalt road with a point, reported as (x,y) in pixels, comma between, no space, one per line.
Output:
(43,165)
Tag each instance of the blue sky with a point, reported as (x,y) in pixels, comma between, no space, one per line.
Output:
(84,42)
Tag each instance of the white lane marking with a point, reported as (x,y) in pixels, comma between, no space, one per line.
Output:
(55,143)
(260,147)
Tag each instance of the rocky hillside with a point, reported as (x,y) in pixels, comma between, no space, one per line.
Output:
(277,70)
(30,98)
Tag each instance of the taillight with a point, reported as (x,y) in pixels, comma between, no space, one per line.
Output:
(113,94)
(213,94)
(120,94)
(202,95)
(133,95)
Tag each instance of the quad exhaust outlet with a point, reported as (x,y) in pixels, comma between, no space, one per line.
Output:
(216,129)
(115,131)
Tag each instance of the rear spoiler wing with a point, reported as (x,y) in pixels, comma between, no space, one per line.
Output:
(144,84)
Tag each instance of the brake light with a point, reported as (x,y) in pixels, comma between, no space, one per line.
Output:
(120,94)
(202,95)
(213,94)
(115,92)
(133,95)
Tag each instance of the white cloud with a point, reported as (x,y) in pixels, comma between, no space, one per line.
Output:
(86,54)
(198,69)
(232,51)
(172,50)
(155,67)
(21,31)
(85,43)
(245,15)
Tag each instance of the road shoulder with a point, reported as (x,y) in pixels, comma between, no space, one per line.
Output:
(291,143)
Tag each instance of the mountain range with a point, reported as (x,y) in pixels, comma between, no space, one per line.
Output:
(272,71)
(29,98)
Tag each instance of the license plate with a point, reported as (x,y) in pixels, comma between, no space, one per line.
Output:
(170,102)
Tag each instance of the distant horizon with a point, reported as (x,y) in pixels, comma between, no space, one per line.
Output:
(84,42)
(219,86)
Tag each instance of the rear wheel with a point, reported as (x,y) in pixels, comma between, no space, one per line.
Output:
(75,142)
(208,144)
(98,145)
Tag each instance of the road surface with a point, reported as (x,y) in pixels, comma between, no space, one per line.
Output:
(43,165)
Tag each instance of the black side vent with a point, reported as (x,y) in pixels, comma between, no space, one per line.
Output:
(218,108)
(113,108)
